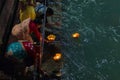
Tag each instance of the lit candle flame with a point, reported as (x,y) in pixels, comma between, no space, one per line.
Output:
(76,35)
(51,37)
(57,56)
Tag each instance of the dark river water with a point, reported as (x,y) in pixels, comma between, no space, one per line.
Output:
(95,55)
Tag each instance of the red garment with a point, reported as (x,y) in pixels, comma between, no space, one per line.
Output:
(31,49)
(33,28)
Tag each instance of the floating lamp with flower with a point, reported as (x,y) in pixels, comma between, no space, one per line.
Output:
(51,37)
(57,56)
(76,35)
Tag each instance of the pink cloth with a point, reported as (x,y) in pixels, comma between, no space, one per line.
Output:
(31,28)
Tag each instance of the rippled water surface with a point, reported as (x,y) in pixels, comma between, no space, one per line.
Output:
(96,54)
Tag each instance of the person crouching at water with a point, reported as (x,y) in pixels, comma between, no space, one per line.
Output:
(20,50)
(40,12)
(26,8)
(23,30)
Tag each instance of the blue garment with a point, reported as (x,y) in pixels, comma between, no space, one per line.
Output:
(40,8)
(17,50)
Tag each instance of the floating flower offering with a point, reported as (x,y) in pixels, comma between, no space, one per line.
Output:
(75,35)
(51,37)
(57,56)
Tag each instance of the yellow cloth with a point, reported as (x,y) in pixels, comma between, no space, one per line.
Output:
(29,12)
